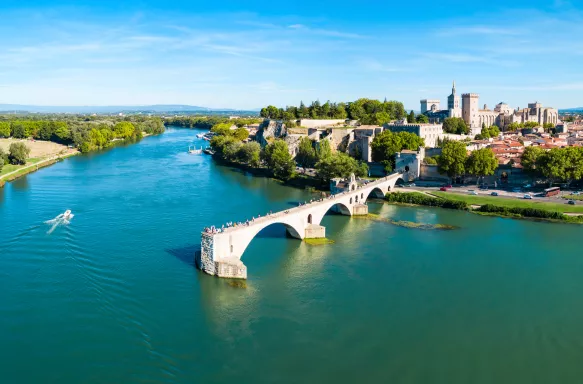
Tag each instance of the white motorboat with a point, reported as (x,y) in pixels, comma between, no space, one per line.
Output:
(67,215)
(200,136)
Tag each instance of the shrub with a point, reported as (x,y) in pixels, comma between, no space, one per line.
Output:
(18,153)
(525,212)
(419,199)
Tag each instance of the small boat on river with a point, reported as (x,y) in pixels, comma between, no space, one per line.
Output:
(194,151)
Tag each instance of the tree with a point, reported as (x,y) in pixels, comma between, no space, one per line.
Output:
(512,127)
(124,130)
(411,118)
(249,153)
(529,159)
(340,165)
(455,125)
(430,161)
(562,164)
(422,119)
(18,153)
(481,162)
(241,134)
(323,150)
(387,143)
(306,156)
(4,129)
(276,156)
(18,130)
(452,160)
(303,112)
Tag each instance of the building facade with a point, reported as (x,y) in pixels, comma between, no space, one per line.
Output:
(475,118)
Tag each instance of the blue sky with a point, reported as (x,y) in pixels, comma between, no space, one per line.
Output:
(247,54)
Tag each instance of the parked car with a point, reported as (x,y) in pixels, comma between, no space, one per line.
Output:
(474,193)
(448,186)
(494,194)
(576,193)
(528,197)
(515,189)
(483,186)
(444,189)
(572,202)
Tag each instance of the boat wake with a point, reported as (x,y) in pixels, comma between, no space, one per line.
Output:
(62,219)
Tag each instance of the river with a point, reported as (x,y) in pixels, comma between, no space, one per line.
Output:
(113,297)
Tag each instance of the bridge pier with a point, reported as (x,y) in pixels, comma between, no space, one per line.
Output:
(315,232)
(360,210)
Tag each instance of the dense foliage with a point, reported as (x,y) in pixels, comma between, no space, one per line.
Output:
(387,143)
(277,157)
(525,212)
(481,162)
(207,122)
(340,165)
(18,153)
(368,111)
(488,132)
(557,164)
(455,125)
(452,161)
(85,132)
(420,199)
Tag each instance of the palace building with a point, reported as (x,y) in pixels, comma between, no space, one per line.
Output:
(501,115)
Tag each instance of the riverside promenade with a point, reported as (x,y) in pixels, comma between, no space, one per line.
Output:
(221,250)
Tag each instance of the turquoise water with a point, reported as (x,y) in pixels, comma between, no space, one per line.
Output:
(113,297)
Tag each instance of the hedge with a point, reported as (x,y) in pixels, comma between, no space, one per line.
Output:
(526,212)
(419,199)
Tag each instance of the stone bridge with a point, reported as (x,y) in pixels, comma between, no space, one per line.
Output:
(221,252)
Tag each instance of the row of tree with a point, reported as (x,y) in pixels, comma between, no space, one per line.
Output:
(557,164)
(455,162)
(512,127)
(207,122)
(85,135)
(367,111)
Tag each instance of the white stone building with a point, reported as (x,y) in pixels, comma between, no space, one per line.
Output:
(501,116)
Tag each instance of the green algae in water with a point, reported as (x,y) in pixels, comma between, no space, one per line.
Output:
(237,283)
(408,224)
(321,241)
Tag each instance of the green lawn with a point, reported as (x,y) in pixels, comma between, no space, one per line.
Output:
(508,202)
(7,168)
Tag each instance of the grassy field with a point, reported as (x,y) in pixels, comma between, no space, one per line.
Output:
(506,202)
(10,168)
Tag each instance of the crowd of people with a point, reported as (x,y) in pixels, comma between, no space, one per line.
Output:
(213,230)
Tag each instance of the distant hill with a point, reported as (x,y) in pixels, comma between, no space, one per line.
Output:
(111,109)
(580,109)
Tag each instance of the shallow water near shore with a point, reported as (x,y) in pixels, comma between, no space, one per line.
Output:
(114,296)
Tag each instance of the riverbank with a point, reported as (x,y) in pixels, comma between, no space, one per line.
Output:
(486,209)
(300,181)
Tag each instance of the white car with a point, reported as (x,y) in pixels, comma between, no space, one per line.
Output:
(474,193)
(528,197)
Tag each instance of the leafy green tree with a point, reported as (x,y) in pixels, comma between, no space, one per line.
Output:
(381,118)
(452,160)
(430,161)
(222,129)
(18,153)
(512,127)
(422,119)
(323,150)
(529,159)
(306,156)
(277,157)
(241,134)
(340,165)
(455,125)
(220,142)
(18,130)
(4,129)
(124,130)
(249,153)
(387,143)
(411,118)
(481,162)
(564,164)
(531,124)
(303,112)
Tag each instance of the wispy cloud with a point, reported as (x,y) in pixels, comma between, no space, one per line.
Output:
(480,30)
